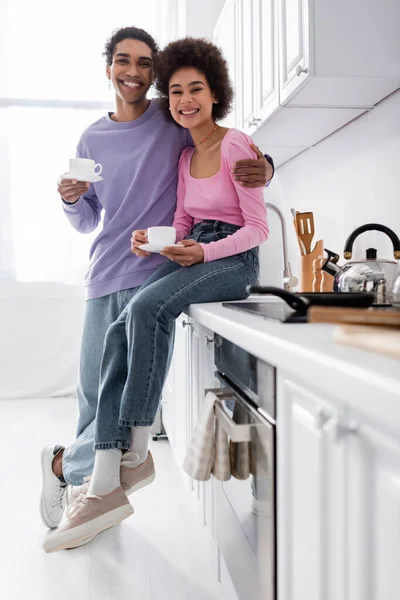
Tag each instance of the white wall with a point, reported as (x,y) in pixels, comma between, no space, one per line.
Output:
(348,179)
(198,19)
(40,334)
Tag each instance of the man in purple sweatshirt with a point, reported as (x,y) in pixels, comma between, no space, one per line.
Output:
(138,146)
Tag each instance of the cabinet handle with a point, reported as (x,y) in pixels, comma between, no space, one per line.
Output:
(336,430)
(300,70)
(254,121)
(320,418)
(186,324)
(209,341)
(215,340)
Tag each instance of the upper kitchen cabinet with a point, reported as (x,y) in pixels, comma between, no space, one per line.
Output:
(225,36)
(257,63)
(304,68)
(344,54)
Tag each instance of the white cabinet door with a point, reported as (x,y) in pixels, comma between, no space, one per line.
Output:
(175,396)
(225,37)
(180,389)
(167,403)
(201,360)
(245,82)
(310,467)
(295,32)
(266,58)
(373,494)
(257,65)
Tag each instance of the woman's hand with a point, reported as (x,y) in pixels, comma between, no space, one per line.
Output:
(190,253)
(139,237)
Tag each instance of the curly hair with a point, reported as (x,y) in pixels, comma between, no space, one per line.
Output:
(128,33)
(203,56)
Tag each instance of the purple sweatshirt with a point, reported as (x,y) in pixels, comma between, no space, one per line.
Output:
(140,172)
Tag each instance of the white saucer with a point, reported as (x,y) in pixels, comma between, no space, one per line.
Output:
(156,247)
(88,178)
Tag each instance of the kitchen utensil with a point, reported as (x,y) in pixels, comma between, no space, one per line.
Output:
(370,274)
(326,282)
(306,267)
(322,282)
(384,317)
(377,339)
(300,243)
(317,268)
(301,302)
(305,229)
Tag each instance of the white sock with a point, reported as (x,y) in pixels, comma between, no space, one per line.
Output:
(139,449)
(105,478)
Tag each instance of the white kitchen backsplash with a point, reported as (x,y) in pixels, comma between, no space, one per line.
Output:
(350,178)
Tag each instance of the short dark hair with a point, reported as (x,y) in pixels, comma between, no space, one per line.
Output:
(128,33)
(203,56)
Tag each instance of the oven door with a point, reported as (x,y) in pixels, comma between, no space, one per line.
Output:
(245,504)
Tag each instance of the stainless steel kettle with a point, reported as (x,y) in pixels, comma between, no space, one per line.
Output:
(369,275)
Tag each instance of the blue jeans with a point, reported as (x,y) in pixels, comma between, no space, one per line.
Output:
(136,348)
(100,313)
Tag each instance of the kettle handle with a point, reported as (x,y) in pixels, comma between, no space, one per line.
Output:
(348,247)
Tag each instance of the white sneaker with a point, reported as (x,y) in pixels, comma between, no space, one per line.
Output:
(53,490)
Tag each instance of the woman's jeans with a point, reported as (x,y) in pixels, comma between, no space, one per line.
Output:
(136,347)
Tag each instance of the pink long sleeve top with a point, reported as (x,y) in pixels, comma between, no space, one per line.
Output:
(221,198)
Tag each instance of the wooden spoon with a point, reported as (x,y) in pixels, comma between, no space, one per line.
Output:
(305,229)
(301,247)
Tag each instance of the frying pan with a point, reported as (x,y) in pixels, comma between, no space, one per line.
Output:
(301,302)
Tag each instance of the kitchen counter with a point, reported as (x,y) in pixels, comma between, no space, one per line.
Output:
(365,380)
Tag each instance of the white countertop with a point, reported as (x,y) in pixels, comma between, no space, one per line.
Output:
(362,379)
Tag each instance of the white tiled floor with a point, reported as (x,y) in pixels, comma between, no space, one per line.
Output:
(157,554)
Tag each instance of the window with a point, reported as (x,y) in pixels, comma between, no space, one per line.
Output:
(52,86)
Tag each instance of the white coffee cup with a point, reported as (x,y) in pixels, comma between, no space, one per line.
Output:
(161,235)
(84,167)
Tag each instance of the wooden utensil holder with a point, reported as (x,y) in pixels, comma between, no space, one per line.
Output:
(306,267)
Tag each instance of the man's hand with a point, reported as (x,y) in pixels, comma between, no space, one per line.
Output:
(139,237)
(71,190)
(189,254)
(252,173)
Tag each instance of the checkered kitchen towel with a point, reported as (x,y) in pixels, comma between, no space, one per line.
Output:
(208,450)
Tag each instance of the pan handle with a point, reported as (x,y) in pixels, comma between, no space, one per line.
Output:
(295,302)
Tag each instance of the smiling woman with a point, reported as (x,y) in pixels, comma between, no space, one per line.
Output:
(202,56)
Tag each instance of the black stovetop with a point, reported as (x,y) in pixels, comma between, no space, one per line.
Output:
(274,311)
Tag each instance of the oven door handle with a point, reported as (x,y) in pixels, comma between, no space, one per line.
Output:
(237,433)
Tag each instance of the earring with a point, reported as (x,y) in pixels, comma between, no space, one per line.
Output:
(109,84)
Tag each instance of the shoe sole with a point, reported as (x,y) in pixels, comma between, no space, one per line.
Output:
(42,507)
(83,534)
(141,484)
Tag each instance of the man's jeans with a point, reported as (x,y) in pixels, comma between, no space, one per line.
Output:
(136,348)
(100,313)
